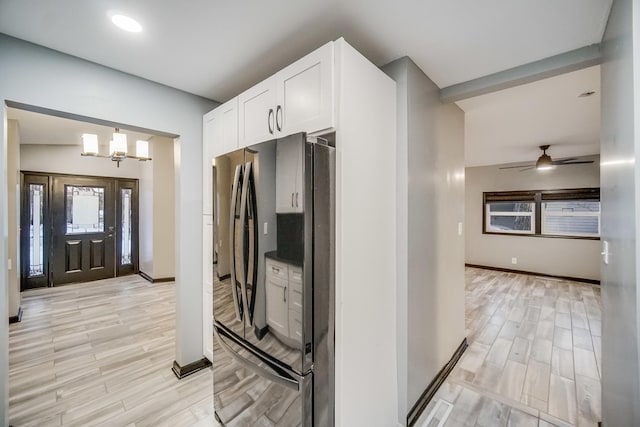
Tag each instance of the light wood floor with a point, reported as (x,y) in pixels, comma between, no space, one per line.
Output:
(534,356)
(100,353)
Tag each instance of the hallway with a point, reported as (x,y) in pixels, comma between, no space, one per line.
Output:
(534,355)
(101,353)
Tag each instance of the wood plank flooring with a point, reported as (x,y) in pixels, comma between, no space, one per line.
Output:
(534,355)
(100,353)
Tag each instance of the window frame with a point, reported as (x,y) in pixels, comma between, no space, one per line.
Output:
(539,197)
(531,214)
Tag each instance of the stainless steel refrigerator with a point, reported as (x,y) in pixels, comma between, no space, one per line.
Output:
(273,296)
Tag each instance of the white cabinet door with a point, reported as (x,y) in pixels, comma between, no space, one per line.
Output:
(289,188)
(220,135)
(256,113)
(210,126)
(228,126)
(277,305)
(207,289)
(305,93)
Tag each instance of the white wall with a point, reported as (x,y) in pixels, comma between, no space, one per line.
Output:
(38,76)
(555,256)
(13,195)
(430,205)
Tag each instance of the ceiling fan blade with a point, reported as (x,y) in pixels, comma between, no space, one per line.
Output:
(527,168)
(575,163)
(561,161)
(515,167)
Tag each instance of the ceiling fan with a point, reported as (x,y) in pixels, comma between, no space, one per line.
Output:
(545,162)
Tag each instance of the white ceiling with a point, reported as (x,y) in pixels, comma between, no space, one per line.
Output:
(216,49)
(36,128)
(509,125)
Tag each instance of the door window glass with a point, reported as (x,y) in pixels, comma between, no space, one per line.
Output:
(36,230)
(84,209)
(125,195)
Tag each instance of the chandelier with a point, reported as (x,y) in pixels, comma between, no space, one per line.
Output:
(117,148)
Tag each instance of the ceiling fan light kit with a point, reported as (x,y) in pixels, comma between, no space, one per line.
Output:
(544,162)
(117,148)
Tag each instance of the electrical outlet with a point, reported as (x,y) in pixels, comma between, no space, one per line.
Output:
(459,229)
(514,260)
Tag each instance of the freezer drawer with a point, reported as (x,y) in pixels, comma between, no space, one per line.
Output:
(249,390)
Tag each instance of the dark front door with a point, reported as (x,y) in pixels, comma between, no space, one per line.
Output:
(83,229)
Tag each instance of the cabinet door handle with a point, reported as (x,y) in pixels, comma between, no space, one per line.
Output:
(278,114)
(292,199)
(269,119)
(275,269)
(296,199)
(284,294)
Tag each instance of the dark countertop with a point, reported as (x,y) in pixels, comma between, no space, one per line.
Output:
(274,256)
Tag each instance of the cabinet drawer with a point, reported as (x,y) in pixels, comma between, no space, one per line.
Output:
(295,276)
(277,269)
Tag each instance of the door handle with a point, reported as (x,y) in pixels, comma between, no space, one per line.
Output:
(269,118)
(278,114)
(292,199)
(284,294)
(232,236)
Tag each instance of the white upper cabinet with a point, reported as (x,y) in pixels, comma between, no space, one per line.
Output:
(210,122)
(305,93)
(257,113)
(228,127)
(289,185)
(220,135)
(299,98)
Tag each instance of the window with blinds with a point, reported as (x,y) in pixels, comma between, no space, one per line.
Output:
(551,213)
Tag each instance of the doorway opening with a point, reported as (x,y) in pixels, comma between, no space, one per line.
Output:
(77,228)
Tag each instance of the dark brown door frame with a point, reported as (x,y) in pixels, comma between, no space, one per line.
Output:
(47,180)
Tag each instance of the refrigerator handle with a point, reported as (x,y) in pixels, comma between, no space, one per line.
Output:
(232,237)
(270,374)
(244,270)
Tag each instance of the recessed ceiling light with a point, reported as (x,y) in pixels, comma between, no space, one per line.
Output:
(126,23)
(587,93)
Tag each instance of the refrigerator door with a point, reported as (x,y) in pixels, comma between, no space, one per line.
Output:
(250,391)
(229,275)
(278,295)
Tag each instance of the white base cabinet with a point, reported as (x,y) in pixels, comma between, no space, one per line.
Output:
(283,285)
